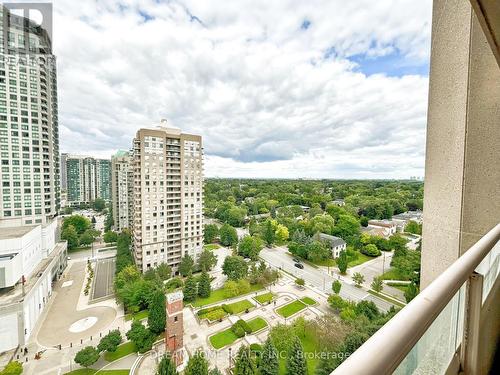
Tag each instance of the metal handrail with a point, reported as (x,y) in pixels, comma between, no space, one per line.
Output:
(385,350)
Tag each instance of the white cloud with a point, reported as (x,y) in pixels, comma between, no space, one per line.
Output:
(246,76)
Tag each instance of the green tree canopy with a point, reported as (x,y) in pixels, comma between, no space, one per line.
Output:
(269,363)
(190,289)
(228,235)
(296,362)
(166,366)
(79,222)
(207,260)
(244,363)
(250,247)
(210,233)
(142,337)
(235,267)
(186,265)
(69,234)
(197,365)
(204,288)
(157,314)
(87,356)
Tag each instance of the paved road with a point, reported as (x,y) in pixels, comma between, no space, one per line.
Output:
(104,276)
(278,257)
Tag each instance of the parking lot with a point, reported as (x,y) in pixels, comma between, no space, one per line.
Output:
(104,276)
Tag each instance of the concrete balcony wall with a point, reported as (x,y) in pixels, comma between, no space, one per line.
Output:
(461,197)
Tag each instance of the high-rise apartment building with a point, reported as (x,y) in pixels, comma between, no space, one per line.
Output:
(31,257)
(168,196)
(29,132)
(122,185)
(87,179)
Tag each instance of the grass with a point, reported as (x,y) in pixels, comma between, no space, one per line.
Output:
(401,287)
(122,350)
(264,298)
(257,324)
(138,315)
(218,295)
(324,262)
(82,371)
(385,298)
(223,338)
(212,313)
(308,301)
(77,249)
(332,262)
(360,260)
(211,246)
(291,308)
(113,372)
(394,274)
(238,307)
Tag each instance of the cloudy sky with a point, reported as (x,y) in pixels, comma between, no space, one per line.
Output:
(329,89)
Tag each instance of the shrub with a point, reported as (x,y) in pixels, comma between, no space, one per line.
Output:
(300,282)
(257,348)
(371,250)
(238,331)
(174,283)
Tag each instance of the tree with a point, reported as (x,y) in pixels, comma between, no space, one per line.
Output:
(186,266)
(163,271)
(281,233)
(207,260)
(110,236)
(282,337)
(108,223)
(296,362)
(110,342)
(250,247)
(197,365)
(413,227)
(228,235)
(347,227)
(86,238)
(235,267)
(87,356)
(98,204)
(342,262)
(204,288)
(210,233)
(269,232)
(377,284)
(214,371)
(231,289)
(370,250)
(142,337)
(244,364)
(81,223)
(411,292)
(358,279)
(190,289)
(336,302)
(300,282)
(269,364)
(69,234)
(317,251)
(12,368)
(166,367)
(321,224)
(157,316)
(336,286)
(367,308)
(348,314)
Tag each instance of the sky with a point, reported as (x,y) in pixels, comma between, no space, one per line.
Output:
(286,89)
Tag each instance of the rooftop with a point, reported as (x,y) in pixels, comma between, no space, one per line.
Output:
(15,232)
(335,241)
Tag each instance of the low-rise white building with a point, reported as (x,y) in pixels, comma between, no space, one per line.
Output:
(389,226)
(336,244)
(30,260)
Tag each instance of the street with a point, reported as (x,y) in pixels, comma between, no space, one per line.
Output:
(279,258)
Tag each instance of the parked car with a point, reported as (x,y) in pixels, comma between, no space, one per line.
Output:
(296,260)
(299,265)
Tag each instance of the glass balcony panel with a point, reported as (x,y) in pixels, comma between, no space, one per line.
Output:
(489,268)
(434,351)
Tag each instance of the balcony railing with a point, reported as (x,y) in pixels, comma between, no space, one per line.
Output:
(438,331)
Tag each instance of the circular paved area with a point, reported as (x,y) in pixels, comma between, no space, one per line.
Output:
(56,328)
(83,324)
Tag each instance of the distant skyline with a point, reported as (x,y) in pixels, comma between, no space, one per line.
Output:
(290,89)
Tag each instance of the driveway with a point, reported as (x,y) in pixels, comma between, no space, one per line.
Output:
(279,258)
(104,276)
(62,313)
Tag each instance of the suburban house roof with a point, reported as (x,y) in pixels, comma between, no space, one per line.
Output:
(334,241)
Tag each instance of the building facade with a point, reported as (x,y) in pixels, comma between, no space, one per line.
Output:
(87,179)
(122,181)
(31,256)
(29,131)
(167,196)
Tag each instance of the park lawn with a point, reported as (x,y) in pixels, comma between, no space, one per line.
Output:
(308,301)
(82,371)
(264,298)
(77,249)
(291,308)
(401,287)
(256,324)
(122,350)
(113,372)
(211,246)
(219,295)
(325,262)
(238,307)
(394,274)
(138,315)
(223,338)
(388,299)
(360,260)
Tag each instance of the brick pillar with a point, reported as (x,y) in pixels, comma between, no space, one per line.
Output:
(174,332)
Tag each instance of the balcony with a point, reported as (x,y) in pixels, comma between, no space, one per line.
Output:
(440,331)
(452,326)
